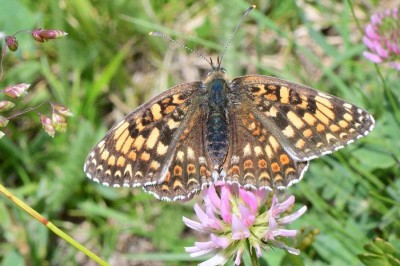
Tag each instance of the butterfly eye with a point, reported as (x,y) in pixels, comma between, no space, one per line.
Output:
(209,72)
(223,70)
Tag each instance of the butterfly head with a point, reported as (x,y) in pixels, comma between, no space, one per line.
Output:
(216,71)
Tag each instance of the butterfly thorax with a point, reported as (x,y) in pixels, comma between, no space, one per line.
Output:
(217,130)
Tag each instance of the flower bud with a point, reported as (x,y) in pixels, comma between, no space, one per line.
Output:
(6,105)
(61,109)
(59,122)
(42,35)
(17,90)
(47,125)
(12,43)
(3,121)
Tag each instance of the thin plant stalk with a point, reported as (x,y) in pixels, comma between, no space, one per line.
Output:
(51,226)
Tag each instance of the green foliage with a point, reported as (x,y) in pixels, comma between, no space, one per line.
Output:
(380,252)
(107,65)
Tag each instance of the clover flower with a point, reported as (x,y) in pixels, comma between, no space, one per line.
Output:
(382,37)
(237,220)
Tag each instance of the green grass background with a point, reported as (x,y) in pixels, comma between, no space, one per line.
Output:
(108,65)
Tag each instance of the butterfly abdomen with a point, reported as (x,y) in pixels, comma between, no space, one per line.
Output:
(217,134)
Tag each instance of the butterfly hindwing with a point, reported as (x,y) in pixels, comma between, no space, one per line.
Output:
(257,159)
(189,169)
(138,150)
(307,123)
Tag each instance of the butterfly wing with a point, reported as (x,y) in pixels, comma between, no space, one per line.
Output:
(256,159)
(139,150)
(308,123)
(189,170)
(287,125)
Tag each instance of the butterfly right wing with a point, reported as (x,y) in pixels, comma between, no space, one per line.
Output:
(306,122)
(139,149)
(279,126)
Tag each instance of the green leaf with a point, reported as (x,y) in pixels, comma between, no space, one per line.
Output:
(380,252)
(386,247)
(12,258)
(373,260)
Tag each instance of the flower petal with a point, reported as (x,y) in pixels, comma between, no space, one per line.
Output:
(248,217)
(383,53)
(218,259)
(376,19)
(213,222)
(195,252)
(238,258)
(371,32)
(249,198)
(284,233)
(290,218)
(214,198)
(239,230)
(278,208)
(205,245)
(368,42)
(395,65)
(280,244)
(203,217)
(269,234)
(372,57)
(194,225)
(225,205)
(394,48)
(258,250)
(222,242)
(261,195)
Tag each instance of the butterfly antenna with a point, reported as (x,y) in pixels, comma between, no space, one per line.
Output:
(159,34)
(234,32)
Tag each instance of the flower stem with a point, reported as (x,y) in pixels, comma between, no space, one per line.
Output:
(389,95)
(354,15)
(27,110)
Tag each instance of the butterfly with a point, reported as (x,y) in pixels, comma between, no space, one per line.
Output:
(257,131)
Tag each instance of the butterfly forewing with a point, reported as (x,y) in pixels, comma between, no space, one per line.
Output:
(307,123)
(138,150)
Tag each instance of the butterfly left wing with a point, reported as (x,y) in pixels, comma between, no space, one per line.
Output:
(138,150)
